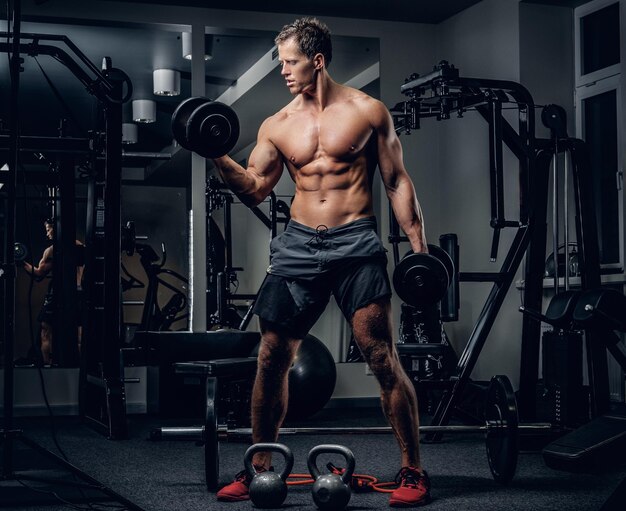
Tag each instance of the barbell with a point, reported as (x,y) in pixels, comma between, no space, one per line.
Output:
(422,279)
(501,430)
(208,128)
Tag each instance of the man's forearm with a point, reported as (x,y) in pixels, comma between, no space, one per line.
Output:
(409,215)
(238,179)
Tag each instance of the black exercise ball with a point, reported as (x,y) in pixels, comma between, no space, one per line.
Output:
(312,378)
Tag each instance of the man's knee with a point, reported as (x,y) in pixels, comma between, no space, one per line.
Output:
(373,321)
(277,348)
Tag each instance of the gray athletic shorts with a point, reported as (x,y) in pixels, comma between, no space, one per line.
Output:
(308,265)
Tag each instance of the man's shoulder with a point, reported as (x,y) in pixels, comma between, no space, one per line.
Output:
(274,121)
(367,101)
(361,100)
(371,108)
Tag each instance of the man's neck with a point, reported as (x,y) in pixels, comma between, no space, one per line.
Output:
(322,93)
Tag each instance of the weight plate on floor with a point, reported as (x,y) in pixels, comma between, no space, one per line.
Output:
(502,439)
(211,442)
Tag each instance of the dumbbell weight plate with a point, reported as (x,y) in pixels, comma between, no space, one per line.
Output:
(213,129)
(502,440)
(211,443)
(420,279)
(20,252)
(444,257)
(180,119)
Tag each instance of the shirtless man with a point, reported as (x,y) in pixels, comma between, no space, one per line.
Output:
(331,138)
(39,272)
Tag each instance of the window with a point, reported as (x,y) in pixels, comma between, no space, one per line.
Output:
(598,107)
(599,39)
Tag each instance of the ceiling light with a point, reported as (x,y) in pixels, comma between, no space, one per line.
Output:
(129,133)
(166,82)
(208,46)
(144,110)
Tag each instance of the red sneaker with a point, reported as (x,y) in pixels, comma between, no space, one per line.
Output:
(414,489)
(237,490)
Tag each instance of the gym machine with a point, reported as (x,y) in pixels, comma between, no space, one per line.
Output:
(438,95)
(106,86)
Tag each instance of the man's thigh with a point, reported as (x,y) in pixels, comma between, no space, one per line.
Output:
(290,305)
(360,285)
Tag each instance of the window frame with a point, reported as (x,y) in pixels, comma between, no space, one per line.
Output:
(600,74)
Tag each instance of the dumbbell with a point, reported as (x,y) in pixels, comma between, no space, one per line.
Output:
(20,252)
(421,279)
(208,128)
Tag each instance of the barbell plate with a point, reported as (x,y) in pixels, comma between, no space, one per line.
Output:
(211,442)
(213,129)
(502,442)
(180,119)
(420,279)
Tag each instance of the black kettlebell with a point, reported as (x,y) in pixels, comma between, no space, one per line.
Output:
(331,491)
(268,490)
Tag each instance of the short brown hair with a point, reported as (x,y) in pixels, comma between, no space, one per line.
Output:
(312,36)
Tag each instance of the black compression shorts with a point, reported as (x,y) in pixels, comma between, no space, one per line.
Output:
(308,265)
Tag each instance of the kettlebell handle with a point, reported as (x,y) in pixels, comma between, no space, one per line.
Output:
(346,477)
(273,447)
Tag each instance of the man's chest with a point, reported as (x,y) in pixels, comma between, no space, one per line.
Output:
(339,136)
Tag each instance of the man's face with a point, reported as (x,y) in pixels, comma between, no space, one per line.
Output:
(49,231)
(298,71)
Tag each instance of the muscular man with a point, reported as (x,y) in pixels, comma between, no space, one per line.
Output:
(331,138)
(39,272)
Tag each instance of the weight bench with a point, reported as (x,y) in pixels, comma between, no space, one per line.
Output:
(602,441)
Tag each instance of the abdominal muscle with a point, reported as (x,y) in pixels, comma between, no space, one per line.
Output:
(331,195)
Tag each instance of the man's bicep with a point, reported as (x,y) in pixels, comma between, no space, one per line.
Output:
(390,160)
(266,163)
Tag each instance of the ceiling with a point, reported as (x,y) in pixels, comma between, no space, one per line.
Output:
(416,11)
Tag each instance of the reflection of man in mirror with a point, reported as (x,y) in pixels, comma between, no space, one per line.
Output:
(41,271)
(331,138)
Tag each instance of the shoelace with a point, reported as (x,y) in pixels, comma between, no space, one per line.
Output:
(320,235)
(408,478)
(244,477)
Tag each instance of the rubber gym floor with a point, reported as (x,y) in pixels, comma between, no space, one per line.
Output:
(169,475)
